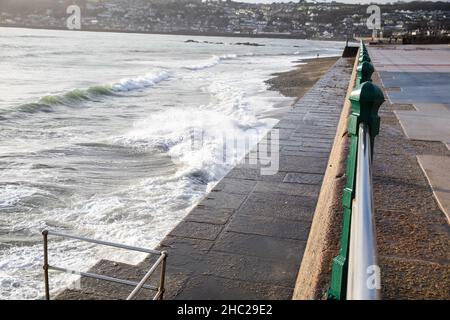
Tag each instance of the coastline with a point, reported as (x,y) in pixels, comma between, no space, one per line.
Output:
(296,83)
(178,33)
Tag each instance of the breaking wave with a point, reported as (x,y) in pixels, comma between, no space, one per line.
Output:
(94,93)
(211,62)
(148,80)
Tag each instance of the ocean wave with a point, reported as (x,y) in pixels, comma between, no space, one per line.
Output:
(175,133)
(195,138)
(35,107)
(71,98)
(148,80)
(11,195)
(94,93)
(211,62)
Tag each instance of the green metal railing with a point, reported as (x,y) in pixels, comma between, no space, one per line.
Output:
(366,99)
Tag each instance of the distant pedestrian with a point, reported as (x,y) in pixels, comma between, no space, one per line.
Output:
(318,56)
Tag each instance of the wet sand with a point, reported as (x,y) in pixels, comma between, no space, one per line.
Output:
(297,82)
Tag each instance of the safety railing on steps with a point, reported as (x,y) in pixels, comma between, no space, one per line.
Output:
(138,286)
(355,272)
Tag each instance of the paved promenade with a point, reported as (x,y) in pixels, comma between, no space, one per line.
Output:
(419,76)
(409,169)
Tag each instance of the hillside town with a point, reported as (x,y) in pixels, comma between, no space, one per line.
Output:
(301,19)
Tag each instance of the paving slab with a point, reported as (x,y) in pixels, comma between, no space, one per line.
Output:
(304,164)
(235,185)
(270,248)
(204,287)
(248,268)
(218,216)
(437,170)
(417,87)
(279,205)
(223,200)
(270,226)
(248,173)
(304,178)
(306,190)
(197,230)
(431,122)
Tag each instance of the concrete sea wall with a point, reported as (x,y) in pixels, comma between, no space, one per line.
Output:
(323,242)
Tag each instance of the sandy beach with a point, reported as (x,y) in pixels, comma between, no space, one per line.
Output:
(297,82)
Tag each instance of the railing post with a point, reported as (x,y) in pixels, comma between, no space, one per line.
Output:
(364,57)
(363,47)
(163,276)
(366,99)
(45,266)
(364,73)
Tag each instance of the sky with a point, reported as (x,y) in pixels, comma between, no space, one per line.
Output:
(346,1)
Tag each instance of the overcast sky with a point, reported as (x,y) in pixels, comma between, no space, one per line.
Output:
(346,1)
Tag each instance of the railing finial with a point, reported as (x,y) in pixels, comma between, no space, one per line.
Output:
(366,101)
(364,72)
(364,57)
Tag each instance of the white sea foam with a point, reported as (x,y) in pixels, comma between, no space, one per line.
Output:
(141,82)
(230,116)
(211,62)
(11,195)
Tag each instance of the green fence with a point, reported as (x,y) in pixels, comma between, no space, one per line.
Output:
(366,99)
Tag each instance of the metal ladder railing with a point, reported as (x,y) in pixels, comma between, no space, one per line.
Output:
(138,286)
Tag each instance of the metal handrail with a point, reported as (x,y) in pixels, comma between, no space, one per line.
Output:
(101,242)
(363,270)
(101,277)
(161,259)
(138,286)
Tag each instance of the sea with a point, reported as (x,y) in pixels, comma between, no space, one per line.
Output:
(95,137)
